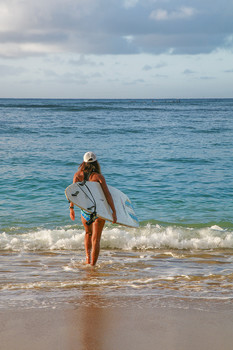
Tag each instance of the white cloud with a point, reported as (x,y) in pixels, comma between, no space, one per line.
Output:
(181,13)
(29,27)
(130,3)
(228,42)
(161,64)
(159,15)
(83,61)
(7,70)
(57,76)
(129,38)
(207,78)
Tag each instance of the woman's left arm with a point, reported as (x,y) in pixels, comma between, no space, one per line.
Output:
(108,196)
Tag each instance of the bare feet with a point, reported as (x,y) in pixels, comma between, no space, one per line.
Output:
(88,258)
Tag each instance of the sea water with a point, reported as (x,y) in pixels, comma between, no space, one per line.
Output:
(173,158)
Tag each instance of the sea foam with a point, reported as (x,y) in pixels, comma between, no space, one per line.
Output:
(147,237)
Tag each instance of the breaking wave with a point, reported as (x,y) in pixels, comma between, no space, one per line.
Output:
(147,237)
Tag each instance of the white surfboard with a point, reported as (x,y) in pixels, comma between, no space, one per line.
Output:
(90,196)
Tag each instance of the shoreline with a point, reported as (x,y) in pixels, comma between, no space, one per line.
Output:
(112,326)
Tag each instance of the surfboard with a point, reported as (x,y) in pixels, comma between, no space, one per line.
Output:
(90,197)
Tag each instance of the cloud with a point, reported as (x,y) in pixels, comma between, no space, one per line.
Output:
(228,42)
(7,70)
(130,3)
(101,27)
(207,78)
(134,82)
(160,76)
(181,13)
(66,77)
(188,72)
(84,61)
(147,67)
(159,65)
(69,77)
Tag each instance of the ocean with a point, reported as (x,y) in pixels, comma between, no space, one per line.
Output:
(173,158)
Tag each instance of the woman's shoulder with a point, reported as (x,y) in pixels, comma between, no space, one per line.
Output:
(96,177)
(78,176)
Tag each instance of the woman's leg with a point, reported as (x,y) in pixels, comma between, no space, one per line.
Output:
(97,228)
(87,240)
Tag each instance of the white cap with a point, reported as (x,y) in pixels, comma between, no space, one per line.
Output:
(89,157)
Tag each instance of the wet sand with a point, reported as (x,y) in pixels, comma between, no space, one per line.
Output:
(79,327)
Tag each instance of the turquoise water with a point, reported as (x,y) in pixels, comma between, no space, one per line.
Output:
(173,158)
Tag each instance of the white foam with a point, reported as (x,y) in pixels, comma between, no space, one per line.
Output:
(155,237)
(117,237)
(57,239)
(217,228)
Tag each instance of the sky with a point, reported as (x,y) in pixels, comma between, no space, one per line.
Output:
(116,48)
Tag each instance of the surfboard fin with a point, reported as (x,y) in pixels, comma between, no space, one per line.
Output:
(75,193)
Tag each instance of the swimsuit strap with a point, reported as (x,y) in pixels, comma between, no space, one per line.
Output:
(87,175)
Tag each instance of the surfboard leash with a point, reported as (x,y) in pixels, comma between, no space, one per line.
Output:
(93,215)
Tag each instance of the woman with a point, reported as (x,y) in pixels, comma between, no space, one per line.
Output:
(90,170)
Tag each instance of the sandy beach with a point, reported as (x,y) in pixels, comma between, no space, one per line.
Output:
(130,326)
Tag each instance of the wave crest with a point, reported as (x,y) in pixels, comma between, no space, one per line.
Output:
(146,237)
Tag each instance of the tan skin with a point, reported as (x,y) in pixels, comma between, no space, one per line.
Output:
(94,231)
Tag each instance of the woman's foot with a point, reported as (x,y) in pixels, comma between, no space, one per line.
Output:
(88,259)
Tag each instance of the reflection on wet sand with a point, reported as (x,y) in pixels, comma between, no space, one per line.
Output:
(93,326)
(142,326)
(90,318)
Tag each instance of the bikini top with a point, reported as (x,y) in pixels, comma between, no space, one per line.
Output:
(87,175)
